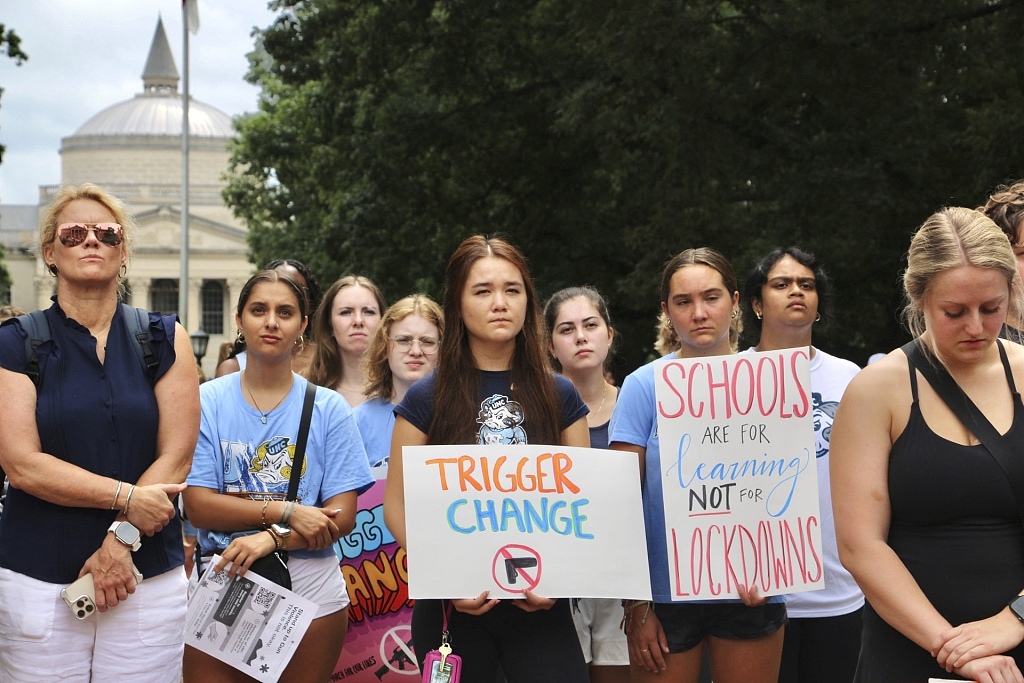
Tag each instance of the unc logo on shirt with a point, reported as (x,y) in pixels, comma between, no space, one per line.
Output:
(500,422)
(824,413)
(273,462)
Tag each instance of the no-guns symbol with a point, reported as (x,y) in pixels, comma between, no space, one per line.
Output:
(396,653)
(516,568)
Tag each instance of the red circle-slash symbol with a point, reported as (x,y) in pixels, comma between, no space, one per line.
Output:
(516,568)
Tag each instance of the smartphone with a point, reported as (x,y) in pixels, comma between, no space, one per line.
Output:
(80,596)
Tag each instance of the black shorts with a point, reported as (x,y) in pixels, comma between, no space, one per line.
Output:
(688,624)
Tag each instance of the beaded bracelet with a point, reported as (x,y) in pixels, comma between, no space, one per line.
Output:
(263,515)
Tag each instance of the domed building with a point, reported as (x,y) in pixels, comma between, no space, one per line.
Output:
(133,149)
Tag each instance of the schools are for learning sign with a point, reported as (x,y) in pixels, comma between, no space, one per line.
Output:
(561,522)
(739,474)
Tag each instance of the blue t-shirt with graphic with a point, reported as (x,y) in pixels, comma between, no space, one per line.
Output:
(238,454)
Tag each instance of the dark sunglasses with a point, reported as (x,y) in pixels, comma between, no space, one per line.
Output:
(73,234)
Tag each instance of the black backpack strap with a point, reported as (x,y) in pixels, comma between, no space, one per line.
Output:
(137,320)
(37,331)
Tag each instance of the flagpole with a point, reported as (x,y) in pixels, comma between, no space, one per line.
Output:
(183,278)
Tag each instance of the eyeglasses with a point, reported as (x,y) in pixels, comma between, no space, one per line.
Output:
(428,345)
(73,234)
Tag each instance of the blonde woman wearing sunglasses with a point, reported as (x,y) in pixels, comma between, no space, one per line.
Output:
(95,460)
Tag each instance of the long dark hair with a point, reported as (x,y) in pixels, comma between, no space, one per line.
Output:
(457,384)
(563,295)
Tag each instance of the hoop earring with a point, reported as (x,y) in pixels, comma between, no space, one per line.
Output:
(817,318)
(123,271)
(757,314)
(735,313)
(301,342)
(52,268)
(240,338)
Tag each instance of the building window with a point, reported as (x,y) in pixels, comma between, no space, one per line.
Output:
(213,307)
(163,297)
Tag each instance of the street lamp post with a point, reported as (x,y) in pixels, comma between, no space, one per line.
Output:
(200,340)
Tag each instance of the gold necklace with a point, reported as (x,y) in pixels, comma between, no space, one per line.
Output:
(604,397)
(263,415)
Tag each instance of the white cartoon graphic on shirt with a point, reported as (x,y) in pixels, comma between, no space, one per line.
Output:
(824,413)
(273,462)
(500,422)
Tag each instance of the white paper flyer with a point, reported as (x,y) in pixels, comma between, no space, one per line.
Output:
(248,622)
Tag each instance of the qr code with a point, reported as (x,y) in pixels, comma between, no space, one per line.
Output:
(264,597)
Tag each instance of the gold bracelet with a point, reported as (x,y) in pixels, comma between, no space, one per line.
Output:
(116,494)
(263,515)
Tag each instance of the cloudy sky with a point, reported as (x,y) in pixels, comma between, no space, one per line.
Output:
(85,56)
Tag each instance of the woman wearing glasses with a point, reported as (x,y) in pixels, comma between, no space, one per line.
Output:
(94,458)
(404,349)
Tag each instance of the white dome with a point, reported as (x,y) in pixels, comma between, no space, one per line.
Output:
(157,114)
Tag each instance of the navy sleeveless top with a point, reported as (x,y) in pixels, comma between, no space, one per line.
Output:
(100,417)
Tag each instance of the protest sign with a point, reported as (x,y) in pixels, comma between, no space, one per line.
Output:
(378,648)
(561,522)
(739,474)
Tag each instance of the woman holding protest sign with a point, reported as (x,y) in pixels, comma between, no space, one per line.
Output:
(580,338)
(786,293)
(700,297)
(927,517)
(492,353)
(239,487)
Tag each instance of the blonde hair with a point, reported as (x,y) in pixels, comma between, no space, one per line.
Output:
(69,193)
(953,237)
(379,377)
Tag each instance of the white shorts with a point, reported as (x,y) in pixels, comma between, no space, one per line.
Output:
(319,579)
(141,639)
(597,625)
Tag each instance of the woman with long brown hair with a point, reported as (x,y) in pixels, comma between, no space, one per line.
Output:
(492,360)
(343,326)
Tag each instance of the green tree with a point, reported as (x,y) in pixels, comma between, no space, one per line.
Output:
(10,45)
(604,136)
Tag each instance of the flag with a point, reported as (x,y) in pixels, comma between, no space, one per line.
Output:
(191,15)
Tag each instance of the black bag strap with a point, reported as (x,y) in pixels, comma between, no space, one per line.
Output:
(963,407)
(300,443)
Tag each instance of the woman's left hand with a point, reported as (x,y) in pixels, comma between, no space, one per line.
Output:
(961,644)
(243,551)
(751,596)
(112,576)
(533,603)
(315,525)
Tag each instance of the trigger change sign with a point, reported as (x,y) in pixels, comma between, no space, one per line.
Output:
(557,521)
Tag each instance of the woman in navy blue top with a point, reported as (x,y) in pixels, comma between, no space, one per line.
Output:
(94,460)
(493,386)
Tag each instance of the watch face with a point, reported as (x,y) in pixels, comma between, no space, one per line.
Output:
(127,533)
(1017,607)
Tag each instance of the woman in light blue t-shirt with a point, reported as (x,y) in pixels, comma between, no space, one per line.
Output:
(403,350)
